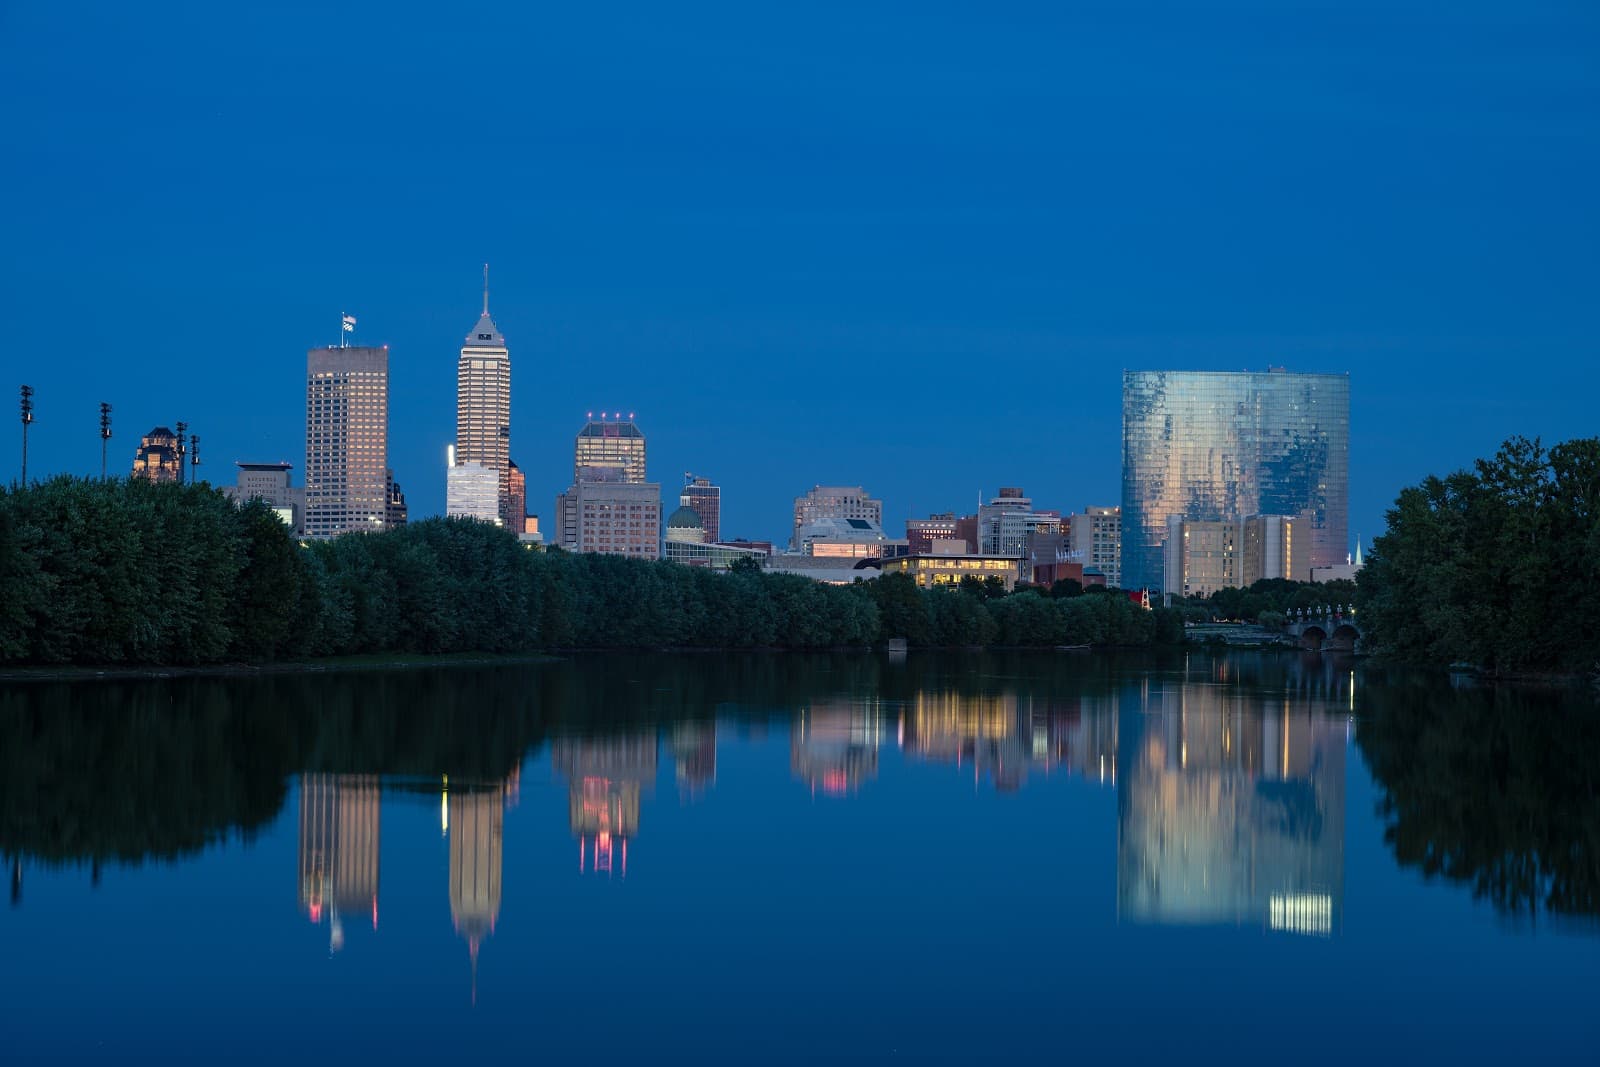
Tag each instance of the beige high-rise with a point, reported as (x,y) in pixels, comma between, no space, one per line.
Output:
(347,440)
(483,405)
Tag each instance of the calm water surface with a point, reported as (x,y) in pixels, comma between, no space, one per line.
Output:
(709,859)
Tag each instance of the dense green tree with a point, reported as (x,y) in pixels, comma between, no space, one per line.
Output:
(1494,567)
(266,606)
(902,608)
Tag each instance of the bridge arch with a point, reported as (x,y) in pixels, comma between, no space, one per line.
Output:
(1312,637)
(1343,637)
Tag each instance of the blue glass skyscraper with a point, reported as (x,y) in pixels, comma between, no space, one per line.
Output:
(1218,445)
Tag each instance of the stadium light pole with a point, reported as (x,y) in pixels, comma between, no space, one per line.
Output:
(183,428)
(105,435)
(27,419)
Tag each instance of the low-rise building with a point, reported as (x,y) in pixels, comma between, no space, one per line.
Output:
(851,538)
(933,569)
(270,484)
(832,570)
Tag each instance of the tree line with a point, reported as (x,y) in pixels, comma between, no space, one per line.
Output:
(1269,601)
(134,573)
(1498,566)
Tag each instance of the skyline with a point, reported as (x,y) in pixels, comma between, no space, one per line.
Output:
(978,222)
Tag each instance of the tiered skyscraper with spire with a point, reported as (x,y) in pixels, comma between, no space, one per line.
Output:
(483,405)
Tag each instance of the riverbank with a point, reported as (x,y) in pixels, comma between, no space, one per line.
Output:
(383,662)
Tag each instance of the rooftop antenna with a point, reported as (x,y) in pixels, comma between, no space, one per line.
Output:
(486,288)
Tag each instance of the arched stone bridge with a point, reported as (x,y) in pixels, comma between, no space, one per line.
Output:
(1331,629)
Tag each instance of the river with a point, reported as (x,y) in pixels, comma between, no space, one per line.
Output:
(698,858)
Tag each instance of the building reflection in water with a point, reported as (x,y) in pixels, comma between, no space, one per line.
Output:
(473,819)
(694,755)
(1230,809)
(834,746)
(338,853)
(1007,737)
(605,776)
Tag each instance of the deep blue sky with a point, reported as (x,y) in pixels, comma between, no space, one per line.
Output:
(911,247)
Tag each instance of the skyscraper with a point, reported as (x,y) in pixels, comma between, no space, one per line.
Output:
(483,405)
(1208,445)
(706,499)
(608,444)
(347,440)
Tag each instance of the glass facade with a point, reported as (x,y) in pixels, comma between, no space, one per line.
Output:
(1209,445)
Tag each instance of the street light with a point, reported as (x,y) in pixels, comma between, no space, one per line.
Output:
(183,428)
(27,418)
(105,435)
(194,456)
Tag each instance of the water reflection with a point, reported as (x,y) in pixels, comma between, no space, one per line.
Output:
(833,745)
(1230,809)
(477,856)
(1005,737)
(1229,772)
(605,777)
(694,756)
(340,820)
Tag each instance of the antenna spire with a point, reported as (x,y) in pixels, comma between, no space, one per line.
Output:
(486,288)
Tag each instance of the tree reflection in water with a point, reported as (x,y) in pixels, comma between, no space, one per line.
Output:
(1496,787)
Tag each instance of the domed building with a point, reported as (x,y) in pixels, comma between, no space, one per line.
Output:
(685,526)
(686,542)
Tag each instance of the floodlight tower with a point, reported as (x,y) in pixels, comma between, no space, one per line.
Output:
(105,435)
(183,428)
(27,419)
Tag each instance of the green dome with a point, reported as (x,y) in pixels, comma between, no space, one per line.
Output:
(685,518)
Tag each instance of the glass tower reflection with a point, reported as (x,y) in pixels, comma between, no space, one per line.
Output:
(1208,445)
(338,849)
(1230,809)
